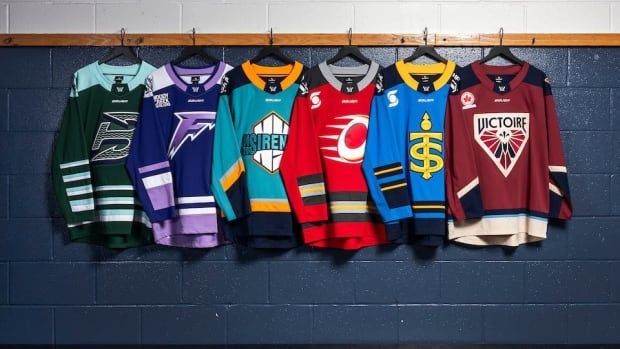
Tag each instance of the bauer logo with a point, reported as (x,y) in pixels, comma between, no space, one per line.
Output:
(266,142)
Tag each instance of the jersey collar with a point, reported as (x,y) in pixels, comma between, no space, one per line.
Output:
(215,71)
(330,71)
(406,69)
(138,73)
(254,73)
(481,71)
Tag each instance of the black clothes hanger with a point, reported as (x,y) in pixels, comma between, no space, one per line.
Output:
(425,50)
(501,51)
(194,51)
(271,51)
(121,51)
(349,51)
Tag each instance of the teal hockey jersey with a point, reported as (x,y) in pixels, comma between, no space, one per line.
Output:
(404,161)
(251,130)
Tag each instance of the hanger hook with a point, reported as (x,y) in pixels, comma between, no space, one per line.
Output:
(350,35)
(425,33)
(123,36)
(501,36)
(270,36)
(194,36)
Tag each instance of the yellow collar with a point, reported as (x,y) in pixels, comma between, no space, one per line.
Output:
(254,72)
(406,69)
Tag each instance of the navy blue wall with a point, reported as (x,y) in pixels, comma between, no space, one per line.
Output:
(565,290)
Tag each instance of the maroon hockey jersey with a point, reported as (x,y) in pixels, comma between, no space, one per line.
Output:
(505,173)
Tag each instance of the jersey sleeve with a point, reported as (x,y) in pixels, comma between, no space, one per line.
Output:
(462,182)
(71,170)
(148,165)
(228,179)
(301,167)
(559,195)
(384,162)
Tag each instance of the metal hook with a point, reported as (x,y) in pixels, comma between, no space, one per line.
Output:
(270,36)
(350,35)
(501,36)
(123,36)
(194,36)
(425,33)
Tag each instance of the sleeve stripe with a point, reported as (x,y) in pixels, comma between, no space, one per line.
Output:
(310,179)
(466,189)
(394,186)
(312,189)
(195,199)
(232,174)
(270,206)
(84,189)
(555,189)
(557,169)
(398,169)
(76,177)
(114,187)
(153,167)
(157,180)
(387,167)
(314,200)
(73,164)
(82,205)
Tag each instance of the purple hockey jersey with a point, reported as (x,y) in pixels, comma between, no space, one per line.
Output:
(170,161)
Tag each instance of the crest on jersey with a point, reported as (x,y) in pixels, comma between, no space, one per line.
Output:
(346,139)
(113,138)
(191,125)
(266,142)
(503,137)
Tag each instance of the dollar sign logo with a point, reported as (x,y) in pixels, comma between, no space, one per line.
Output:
(424,161)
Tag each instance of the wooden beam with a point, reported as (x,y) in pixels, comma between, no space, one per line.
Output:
(525,40)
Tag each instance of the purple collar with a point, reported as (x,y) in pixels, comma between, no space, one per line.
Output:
(216,71)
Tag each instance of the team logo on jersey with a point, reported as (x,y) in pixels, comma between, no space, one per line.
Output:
(379,83)
(224,87)
(113,137)
(468,100)
(266,142)
(161,100)
(315,100)
(348,142)
(392,98)
(426,149)
(191,125)
(503,137)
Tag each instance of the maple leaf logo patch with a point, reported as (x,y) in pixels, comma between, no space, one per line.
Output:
(503,137)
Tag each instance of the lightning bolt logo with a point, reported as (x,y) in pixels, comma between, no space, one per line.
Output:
(191,125)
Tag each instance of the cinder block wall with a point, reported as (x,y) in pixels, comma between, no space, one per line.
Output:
(565,290)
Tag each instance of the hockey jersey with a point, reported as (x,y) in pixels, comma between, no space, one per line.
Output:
(251,131)
(321,165)
(404,162)
(505,166)
(170,163)
(91,185)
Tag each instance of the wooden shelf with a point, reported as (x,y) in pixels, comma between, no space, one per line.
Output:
(526,40)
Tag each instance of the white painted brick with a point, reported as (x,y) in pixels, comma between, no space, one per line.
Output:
(161,17)
(615,17)
(4,18)
(395,17)
(568,17)
(310,17)
(51,18)
(225,18)
(483,17)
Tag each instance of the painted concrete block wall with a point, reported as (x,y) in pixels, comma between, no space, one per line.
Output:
(308,16)
(564,290)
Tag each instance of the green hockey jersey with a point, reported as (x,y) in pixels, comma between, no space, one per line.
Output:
(91,184)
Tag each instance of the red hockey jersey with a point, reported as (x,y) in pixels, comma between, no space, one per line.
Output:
(506,174)
(321,165)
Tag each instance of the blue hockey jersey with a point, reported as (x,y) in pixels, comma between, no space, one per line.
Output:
(404,163)
(170,161)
